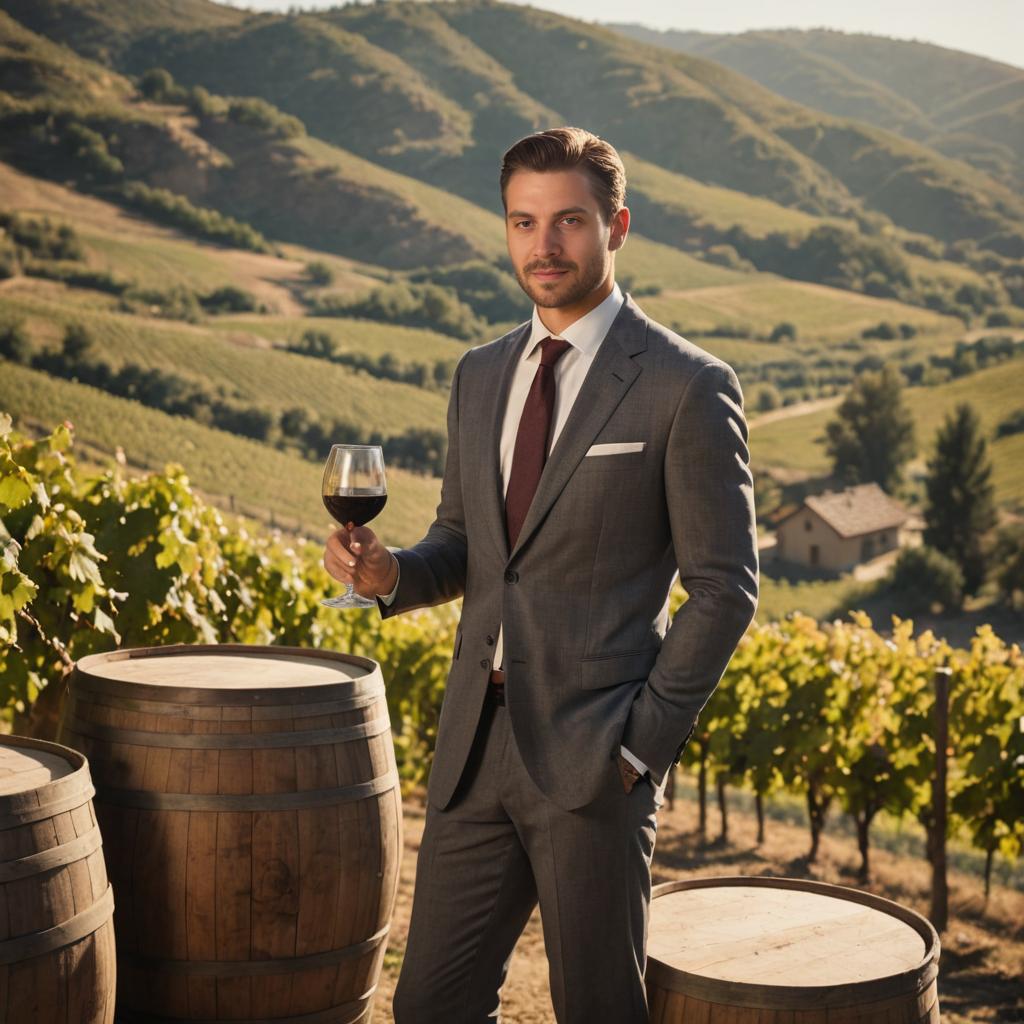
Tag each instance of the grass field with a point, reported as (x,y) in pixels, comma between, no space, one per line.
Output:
(716,205)
(651,263)
(263,481)
(817,311)
(369,337)
(271,379)
(797,442)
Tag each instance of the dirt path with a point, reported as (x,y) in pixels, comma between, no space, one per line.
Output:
(796,409)
(982,956)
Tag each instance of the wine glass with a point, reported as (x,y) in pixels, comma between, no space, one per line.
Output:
(354,491)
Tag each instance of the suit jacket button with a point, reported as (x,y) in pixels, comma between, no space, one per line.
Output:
(511,577)
(490,640)
(484,663)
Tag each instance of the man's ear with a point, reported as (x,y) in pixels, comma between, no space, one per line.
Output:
(619,229)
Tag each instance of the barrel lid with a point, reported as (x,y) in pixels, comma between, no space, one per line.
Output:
(793,935)
(251,672)
(229,670)
(23,768)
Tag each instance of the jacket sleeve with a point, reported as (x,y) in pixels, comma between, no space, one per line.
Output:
(433,571)
(710,495)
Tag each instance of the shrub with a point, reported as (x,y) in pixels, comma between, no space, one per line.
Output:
(176,210)
(1012,424)
(923,576)
(15,345)
(784,330)
(264,117)
(77,343)
(158,85)
(319,272)
(229,299)
(884,331)
(489,291)
(1008,557)
(89,150)
(767,398)
(415,305)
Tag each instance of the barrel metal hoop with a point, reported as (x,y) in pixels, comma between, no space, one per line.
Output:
(242,802)
(365,697)
(231,740)
(47,810)
(55,857)
(225,969)
(65,934)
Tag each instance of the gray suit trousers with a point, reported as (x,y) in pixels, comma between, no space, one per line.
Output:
(500,847)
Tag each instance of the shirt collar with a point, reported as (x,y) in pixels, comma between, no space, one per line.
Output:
(585,334)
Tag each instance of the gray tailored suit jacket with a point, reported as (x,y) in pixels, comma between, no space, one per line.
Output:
(590,658)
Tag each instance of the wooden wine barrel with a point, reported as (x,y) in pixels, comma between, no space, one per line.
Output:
(754,950)
(57,960)
(250,805)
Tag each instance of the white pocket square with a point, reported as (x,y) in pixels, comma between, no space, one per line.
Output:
(617,448)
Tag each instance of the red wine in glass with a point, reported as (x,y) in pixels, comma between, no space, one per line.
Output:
(354,492)
(355,508)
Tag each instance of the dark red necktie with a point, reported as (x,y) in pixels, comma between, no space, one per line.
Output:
(531,450)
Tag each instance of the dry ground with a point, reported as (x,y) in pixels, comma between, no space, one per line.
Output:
(981,968)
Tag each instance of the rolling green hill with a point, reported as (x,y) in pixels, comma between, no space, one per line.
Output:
(762,302)
(103,31)
(960,104)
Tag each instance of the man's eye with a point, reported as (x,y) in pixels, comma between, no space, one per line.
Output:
(520,223)
(571,218)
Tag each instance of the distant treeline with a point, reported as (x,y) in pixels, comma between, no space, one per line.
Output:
(320,345)
(294,429)
(767,380)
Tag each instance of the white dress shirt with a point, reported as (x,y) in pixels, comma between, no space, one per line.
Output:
(584,336)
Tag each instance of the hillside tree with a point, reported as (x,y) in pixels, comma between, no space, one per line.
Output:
(960,497)
(873,435)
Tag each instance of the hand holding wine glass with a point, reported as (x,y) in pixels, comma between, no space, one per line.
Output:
(357,556)
(354,492)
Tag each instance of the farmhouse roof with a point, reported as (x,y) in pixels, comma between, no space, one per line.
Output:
(863,508)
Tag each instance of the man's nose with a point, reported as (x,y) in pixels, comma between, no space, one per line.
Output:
(547,243)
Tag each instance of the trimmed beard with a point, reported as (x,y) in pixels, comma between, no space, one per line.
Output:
(591,275)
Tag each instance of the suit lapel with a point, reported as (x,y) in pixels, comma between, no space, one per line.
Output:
(492,487)
(610,376)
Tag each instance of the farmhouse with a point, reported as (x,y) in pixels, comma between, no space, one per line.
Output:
(838,530)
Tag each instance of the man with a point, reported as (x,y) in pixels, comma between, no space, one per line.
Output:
(592,454)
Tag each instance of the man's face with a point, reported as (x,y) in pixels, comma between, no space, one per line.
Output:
(560,245)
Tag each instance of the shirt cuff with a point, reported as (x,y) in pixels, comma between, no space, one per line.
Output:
(633,760)
(389,598)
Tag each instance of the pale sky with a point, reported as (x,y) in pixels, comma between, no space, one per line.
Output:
(992,28)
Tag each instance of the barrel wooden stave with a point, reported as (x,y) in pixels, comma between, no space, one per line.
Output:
(53,879)
(238,888)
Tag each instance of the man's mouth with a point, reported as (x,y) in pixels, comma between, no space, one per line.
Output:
(549,275)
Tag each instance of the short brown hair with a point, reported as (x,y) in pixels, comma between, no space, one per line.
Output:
(563,149)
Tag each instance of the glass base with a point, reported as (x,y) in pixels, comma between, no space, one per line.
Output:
(350,599)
